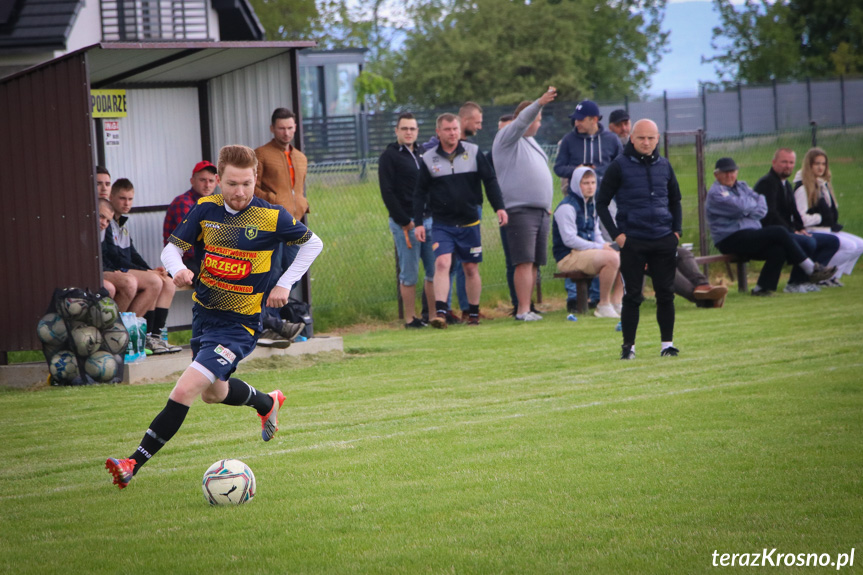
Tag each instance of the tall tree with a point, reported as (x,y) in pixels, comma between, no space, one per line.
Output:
(762,40)
(288,19)
(502,51)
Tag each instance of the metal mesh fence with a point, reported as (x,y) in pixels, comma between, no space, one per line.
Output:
(740,111)
(355,278)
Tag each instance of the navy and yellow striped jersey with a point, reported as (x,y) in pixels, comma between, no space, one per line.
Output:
(236,251)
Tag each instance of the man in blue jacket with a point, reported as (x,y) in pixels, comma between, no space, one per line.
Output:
(647,229)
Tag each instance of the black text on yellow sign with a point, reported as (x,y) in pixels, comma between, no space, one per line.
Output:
(108,103)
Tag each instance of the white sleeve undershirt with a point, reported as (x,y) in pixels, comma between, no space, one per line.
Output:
(305,256)
(172,259)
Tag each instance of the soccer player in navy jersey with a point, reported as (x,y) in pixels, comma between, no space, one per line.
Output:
(234,235)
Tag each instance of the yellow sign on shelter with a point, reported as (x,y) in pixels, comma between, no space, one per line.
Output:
(108,103)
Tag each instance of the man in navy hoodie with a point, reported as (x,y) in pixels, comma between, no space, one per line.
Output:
(647,228)
(588,144)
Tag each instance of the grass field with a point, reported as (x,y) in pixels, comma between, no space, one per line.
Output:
(506,448)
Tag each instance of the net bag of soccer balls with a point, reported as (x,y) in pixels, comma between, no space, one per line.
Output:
(83,339)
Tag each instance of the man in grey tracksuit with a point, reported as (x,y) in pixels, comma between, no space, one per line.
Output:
(526,185)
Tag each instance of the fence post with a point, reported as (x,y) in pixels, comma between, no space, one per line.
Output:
(665,109)
(703,107)
(702,195)
(814,125)
(775,107)
(626,102)
(740,109)
(842,97)
(398,285)
(809,98)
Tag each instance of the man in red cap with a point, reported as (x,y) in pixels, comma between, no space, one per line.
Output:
(203,184)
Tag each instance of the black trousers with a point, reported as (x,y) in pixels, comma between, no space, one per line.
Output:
(773,244)
(661,256)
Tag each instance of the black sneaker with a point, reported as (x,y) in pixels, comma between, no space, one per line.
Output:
(821,273)
(757,291)
(289,330)
(669,352)
(627,352)
(415,323)
(270,338)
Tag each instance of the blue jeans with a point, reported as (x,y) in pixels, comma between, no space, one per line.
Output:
(409,258)
(572,292)
(819,247)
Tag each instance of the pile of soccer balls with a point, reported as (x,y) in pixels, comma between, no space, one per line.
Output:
(83,339)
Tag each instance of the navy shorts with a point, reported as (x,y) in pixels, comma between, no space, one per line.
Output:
(219,345)
(466,242)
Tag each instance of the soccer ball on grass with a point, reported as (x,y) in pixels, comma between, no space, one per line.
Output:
(228,482)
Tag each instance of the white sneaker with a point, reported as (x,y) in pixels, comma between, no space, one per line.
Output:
(529,316)
(618,307)
(606,310)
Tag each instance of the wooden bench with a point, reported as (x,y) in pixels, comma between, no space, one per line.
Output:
(742,283)
(582,284)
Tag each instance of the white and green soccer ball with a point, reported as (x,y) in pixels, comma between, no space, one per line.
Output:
(52,330)
(115,338)
(228,482)
(86,339)
(101,366)
(104,313)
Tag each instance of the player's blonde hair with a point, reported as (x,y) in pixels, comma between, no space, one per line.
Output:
(238,156)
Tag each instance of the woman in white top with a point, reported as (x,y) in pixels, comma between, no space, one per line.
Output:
(816,202)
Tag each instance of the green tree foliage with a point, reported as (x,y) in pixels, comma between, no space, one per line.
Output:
(762,40)
(503,51)
(374,90)
(288,19)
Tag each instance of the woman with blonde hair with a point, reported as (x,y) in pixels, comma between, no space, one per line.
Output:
(819,210)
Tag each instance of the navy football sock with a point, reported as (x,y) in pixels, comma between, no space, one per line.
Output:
(241,393)
(163,428)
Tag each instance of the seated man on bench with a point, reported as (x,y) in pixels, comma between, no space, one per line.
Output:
(734,213)
(577,242)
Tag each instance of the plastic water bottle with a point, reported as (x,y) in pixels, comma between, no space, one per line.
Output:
(571,317)
(619,326)
(163,335)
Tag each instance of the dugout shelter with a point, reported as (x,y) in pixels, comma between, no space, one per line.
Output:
(146,111)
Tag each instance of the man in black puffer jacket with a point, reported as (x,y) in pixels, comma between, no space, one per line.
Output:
(647,229)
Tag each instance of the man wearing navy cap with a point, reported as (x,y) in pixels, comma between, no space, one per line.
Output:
(591,145)
(203,182)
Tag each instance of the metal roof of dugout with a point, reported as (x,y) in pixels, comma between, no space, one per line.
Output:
(50,143)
